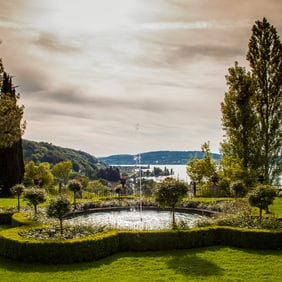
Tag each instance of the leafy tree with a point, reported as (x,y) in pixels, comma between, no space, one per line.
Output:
(262,197)
(44,175)
(58,208)
(40,175)
(30,173)
(35,196)
(75,186)
(17,190)
(239,118)
(169,192)
(11,130)
(251,111)
(200,170)
(62,170)
(110,174)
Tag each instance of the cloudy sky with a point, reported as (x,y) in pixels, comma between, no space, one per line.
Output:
(126,76)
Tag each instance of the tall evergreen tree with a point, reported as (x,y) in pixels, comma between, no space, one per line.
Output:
(265,57)
(11,130)
(251,111)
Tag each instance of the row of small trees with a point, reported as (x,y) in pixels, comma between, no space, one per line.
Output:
(57,208)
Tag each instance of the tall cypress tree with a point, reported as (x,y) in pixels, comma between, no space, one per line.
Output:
(265,58)
(11,130)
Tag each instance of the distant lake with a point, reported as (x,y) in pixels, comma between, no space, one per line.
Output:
(179,171)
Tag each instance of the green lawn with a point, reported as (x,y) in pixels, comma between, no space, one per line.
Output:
(276,208)
(205,264)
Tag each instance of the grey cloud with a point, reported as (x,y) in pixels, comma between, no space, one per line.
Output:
(52,42)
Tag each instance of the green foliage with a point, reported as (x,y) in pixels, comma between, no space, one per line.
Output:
(62,170)
(40,175)
(238,188)
(11,130)
(262,197)
(58,208)
(90,248)
(39,152)
(169,192)
(251,111)
(74,186)
(239,118)
(265,58)
(35,196)
(200,170)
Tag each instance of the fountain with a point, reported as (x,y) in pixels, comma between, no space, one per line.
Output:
(132,219)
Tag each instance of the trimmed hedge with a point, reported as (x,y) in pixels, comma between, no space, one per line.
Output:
(13,246)
(18,219)
(97,246)
(6,218)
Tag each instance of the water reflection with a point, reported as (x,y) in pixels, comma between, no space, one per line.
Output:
(145,220)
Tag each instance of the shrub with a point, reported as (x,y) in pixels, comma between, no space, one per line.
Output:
(262,197)
(35,196)
(58,208)
(238,188)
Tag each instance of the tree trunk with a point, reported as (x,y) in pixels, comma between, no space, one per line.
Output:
(61,225)
(18,203)
(74,200)
(173,218)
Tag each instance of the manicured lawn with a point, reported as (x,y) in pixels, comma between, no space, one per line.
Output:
(276,208)
(205,264)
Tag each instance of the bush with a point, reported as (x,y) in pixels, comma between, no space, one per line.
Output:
(238,188)
(14,246)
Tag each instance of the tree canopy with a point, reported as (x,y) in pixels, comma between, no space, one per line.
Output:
(251,111)
(11,131)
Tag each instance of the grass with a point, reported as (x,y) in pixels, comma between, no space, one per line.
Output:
(205,264)
(276,207)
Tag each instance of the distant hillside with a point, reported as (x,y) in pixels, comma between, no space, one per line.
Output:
(158,157)
(47,152)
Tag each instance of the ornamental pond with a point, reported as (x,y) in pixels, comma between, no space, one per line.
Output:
(136,219)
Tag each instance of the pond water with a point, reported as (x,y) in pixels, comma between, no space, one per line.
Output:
(145,220)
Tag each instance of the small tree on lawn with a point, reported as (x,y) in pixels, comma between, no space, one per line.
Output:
(35,196)
(17,190)
(238,188)
(58,208)
(169,192)
(75,186)
(262,197)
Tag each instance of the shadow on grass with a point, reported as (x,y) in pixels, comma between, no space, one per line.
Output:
(25,267)
(192,265)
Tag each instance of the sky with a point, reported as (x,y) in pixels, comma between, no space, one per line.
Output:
(126,76)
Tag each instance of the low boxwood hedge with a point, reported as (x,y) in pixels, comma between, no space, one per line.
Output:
(14,246)
(17,247)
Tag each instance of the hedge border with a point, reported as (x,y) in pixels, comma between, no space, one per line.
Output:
(94,247)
